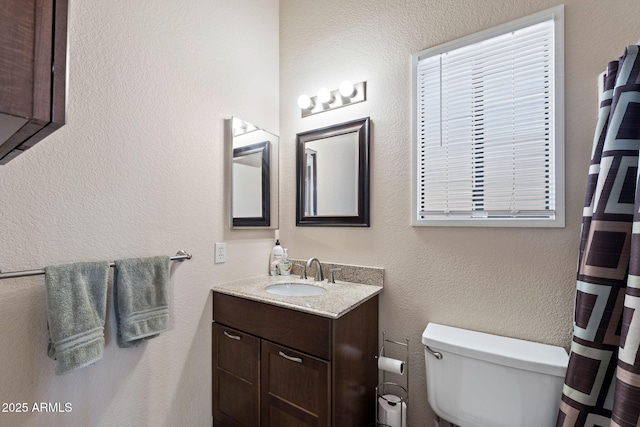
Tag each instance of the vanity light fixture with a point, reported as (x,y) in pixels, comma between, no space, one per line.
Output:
(347,94)
(305,102)
(325,96)
(347,89)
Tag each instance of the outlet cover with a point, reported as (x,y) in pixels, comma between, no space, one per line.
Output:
(221,253)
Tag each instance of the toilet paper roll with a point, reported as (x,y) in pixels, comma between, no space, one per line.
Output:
(391,365)
(392,411)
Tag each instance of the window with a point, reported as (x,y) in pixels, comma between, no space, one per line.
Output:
(488,127)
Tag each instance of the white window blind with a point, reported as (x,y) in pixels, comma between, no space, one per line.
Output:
(486,137)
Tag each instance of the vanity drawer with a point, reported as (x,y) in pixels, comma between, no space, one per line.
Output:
(294,388)
(236,377)
(302,331)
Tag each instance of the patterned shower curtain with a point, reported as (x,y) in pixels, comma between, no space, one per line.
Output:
(602,384)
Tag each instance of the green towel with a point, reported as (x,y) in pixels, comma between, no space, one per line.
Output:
(76,310)
(141,288)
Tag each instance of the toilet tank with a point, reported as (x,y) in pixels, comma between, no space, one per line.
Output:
(485,380)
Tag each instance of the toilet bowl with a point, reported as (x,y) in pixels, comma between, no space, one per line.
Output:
(482,380)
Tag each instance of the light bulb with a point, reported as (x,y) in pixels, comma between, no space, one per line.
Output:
(304,102)
(347,89)
(325,96)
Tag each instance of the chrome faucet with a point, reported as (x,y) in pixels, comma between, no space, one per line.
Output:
(318,277)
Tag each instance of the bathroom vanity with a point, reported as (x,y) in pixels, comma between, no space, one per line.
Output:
(294,361)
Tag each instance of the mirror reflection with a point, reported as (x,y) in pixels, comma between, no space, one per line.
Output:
(333,175)
(335,161)
(253,176)
(250,181)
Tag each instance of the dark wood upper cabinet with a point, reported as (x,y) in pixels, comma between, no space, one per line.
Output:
(33,44)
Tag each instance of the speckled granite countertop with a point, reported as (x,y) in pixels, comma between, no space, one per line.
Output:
(341,298)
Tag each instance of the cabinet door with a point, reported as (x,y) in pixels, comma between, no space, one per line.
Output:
(294,388)
(236,376)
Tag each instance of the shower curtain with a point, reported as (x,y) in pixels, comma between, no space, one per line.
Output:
(602,384)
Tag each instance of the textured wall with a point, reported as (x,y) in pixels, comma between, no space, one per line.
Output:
(137,171)
(514,282)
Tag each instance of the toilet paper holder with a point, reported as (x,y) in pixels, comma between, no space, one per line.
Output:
(391,397)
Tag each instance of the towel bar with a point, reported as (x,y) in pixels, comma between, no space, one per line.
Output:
(180,256)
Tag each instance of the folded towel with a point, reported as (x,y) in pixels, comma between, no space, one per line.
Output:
(141,300)
(76,310)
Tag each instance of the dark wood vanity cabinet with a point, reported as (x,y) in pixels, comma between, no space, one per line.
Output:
(33,44)
(279,367)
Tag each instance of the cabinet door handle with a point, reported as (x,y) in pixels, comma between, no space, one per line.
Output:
(233,337)
(293,359)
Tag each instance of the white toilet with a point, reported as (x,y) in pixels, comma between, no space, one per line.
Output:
(481,380)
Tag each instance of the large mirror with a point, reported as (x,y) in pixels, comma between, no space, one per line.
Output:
(332,169)
(253,176)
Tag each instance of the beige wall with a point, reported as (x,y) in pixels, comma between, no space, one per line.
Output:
(137,171)
(514,282)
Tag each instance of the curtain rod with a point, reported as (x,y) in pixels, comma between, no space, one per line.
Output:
(180,256)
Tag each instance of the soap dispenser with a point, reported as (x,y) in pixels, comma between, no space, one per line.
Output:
(285,264)
(276,256)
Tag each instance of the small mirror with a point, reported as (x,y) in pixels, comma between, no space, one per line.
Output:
(332,168)
(253,176)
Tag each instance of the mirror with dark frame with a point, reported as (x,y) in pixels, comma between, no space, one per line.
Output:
(253,176)
(332,174)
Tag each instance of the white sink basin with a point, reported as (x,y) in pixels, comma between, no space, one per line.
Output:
(295,290)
